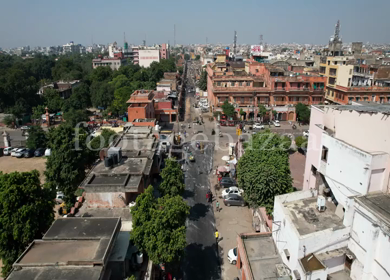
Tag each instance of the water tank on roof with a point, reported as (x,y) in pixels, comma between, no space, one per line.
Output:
(115,151)
(115,160)
(108,162)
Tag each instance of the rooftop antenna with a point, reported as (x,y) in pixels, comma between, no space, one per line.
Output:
(261,39)
(144,42)
(235,44)
(174,35)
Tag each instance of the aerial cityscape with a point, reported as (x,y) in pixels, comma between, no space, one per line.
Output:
(153,157)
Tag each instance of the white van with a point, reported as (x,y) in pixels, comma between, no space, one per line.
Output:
(7,151)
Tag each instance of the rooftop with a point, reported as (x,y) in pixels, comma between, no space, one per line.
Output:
(366,108)
(378,204)
(263,257)
(311,263)
(307,219)
(55,272)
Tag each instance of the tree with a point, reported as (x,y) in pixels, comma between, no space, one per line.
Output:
(79,100)
(9,120)
(121,95)
(172,178)
(203,81)
(73,117)
(102,94)
(65,167)
(197,57)
(274,114)
(301,142)
(106,137)
(187,56)
(36,138)
(120,81)
(228,109)
(262,112)
(242,113)
(180,69)
(159,226)
(263,171)
(53,101)
(303,113)
(101,74)
(26,213)
(37,113)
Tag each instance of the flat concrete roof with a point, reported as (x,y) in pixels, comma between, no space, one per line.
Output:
(123,213)
(54,272)
(372,108)
(307,219)
(137,143)
(264,259)
(378,204)
(82,228)
(128,165)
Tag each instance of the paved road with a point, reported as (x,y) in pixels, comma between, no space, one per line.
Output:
(201,255)
(201,259)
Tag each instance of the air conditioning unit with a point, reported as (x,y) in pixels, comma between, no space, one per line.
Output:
(321,203)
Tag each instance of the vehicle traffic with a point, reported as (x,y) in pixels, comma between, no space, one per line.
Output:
(231,190)
(234,200)
(227,182)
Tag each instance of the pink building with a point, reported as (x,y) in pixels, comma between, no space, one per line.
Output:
(164,52)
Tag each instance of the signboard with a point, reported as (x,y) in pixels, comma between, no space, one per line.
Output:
(256,49)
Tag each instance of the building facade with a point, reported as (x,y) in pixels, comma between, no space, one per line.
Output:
(148,56)
(247,85)
(114,63)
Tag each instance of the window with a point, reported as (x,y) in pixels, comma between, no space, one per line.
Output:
(332,93)
(240,84)
(232,84)
(358,98)
(219,84)
(287,253)
(257,70)
(350,71)
(248,84)
(324,154)
(328,62)
(242,99)
(235,99)
(332,81)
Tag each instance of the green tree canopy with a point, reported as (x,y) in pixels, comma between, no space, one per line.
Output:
(227,108)
(101,74)
(37,113)
(159,226)
(26,213)
(102,94)
(301,142)
(121,95)
(263,171)
(36,138)
(79,100)
(187,56)
(53,100)
(107,136)
(65,167)
(303,113)
(262,111)
(197,57)
(172,178)
(73,117)
(203,81)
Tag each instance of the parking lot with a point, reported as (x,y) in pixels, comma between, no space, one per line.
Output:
(10,164)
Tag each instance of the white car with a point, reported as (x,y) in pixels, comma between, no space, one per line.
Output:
(47,152)
(13,152)
(232,256)
(20,152)
(258,126)
(231,190)
(7,151)
(306,133)
(276,124)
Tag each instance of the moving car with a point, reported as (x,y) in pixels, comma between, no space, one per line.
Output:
(232,256)
(276,123)
(28,153)
(227,182)
(20,153)
(231,190)
(258,126)
(39,152)
(306,133)
(7,151)
(235,200)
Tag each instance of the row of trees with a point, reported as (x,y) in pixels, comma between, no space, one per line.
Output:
(159,223)
(263,171)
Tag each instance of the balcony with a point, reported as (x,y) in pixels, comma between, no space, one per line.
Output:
(299,89)
(296,102)
(240,89)
(280,102)
(365,75)
(364,89)
(280,89)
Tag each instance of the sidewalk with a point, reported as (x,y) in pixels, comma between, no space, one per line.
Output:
(230,222)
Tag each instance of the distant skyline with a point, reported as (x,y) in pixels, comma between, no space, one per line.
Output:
(51,23)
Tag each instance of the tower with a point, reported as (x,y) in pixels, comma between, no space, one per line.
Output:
(235,44)
(335,42)
(174,35)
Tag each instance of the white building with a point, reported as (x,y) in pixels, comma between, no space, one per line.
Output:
(71,47)
(338,227)
(147,56)
(114,63)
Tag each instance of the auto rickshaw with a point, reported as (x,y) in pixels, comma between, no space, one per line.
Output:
(191,157)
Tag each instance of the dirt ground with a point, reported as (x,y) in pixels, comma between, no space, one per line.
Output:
(10,164)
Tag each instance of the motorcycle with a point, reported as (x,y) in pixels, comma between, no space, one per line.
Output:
(294,126)
(220,134)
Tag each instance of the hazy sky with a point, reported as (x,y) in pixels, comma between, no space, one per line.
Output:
(55,22)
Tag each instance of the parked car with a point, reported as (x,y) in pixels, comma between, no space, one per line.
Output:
(7,151)
(276,123)
(13,152)
(227,182)
(235,200)
(28,153)
(232,256)
(306,133)
(47,152)
(20,153)
(231,190)
(39,152)
(60,197)
(258,126)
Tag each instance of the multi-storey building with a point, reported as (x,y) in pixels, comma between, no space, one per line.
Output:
(338,226)
(71,47)
(114,62)
(247,85)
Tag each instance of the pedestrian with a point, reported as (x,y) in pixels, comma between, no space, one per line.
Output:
(210,197)
(216,235)
(217,206)
(207,196)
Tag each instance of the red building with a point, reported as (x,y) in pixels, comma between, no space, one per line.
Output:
(246,85)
